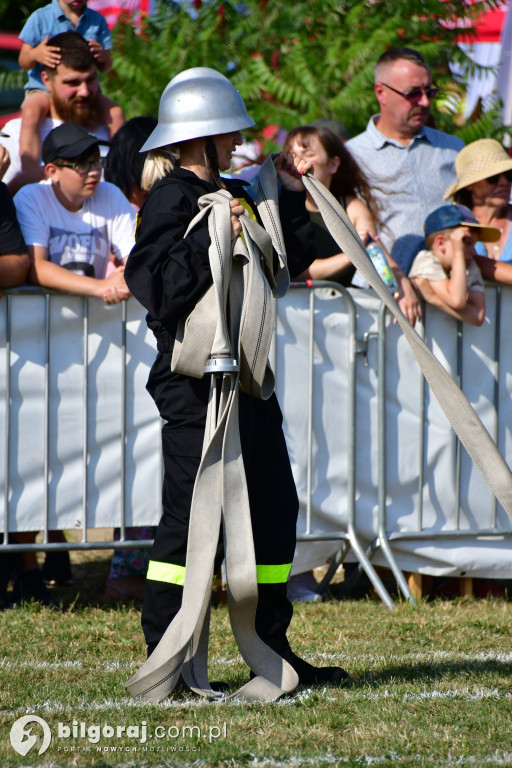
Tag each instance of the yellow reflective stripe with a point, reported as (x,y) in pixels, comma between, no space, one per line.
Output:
(175,574)
(243,202)
(172,574)
(273,574)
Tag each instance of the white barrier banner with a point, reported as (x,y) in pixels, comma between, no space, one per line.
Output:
(97,445)
(432,508)
(83,425)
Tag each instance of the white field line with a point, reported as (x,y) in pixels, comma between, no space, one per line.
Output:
(351,696)
(108,666)
(430,694)
(370,658)
(392,758)
(55,706)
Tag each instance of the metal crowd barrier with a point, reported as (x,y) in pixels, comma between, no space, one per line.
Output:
(348,538)
(350,531)
(385,538)
(368,346)
(82,525)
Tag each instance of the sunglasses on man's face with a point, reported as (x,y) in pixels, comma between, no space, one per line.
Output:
(415,94)
(497,177)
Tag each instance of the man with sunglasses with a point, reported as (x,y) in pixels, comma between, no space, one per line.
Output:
(408,164)
(78,229)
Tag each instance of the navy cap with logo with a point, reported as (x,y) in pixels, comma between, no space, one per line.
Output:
(68,141)
(450,216)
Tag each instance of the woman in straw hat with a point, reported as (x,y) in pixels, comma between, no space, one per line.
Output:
(339,171)
(484,180)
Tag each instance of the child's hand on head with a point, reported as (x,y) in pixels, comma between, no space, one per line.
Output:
(465,238)
(460,234)
(97,50)
(48,55)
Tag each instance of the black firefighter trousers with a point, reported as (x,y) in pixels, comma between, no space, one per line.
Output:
(182,403)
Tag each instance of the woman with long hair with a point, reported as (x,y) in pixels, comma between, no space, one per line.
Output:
(338,170)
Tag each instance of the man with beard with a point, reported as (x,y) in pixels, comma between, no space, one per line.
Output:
(74,92)
(407,163)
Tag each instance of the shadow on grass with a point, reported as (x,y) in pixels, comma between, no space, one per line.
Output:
(406,673)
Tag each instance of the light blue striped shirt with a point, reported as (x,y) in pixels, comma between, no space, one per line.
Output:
(407,183)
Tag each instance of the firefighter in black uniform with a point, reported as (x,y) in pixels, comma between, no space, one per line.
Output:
(200,118)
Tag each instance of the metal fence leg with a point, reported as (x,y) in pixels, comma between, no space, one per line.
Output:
(382,535)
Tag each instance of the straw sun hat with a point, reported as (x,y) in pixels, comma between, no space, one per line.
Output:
(479,160)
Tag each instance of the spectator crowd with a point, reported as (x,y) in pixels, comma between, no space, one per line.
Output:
(71,185)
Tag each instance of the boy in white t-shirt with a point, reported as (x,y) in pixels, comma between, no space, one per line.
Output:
(75,227)
(446,274)
(73,223)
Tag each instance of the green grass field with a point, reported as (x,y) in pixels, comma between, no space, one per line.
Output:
(430,686)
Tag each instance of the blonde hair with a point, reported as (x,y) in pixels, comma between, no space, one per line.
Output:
(158,164)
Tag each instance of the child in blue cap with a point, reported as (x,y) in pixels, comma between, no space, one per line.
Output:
(445,273)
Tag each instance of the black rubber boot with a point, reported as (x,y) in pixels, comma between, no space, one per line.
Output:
(308,674)
(273,617)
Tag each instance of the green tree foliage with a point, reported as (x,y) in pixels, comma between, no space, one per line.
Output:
(295,62)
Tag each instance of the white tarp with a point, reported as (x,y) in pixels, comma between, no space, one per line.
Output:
(485,556)
(71,426)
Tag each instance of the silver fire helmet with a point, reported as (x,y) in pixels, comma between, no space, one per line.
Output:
(198,102)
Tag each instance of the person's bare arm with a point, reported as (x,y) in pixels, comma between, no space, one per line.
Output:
(361,218)
(326,269)
(332,267)
(435,292)
(111,114)
(13,269)
(492,269)
(48,55)
(407,298)
(111,289)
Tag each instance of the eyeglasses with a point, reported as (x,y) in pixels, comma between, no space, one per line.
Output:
(84,166)
(415,94)
(496,178)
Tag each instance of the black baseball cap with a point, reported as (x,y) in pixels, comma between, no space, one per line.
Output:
(450,216)
(68,141)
